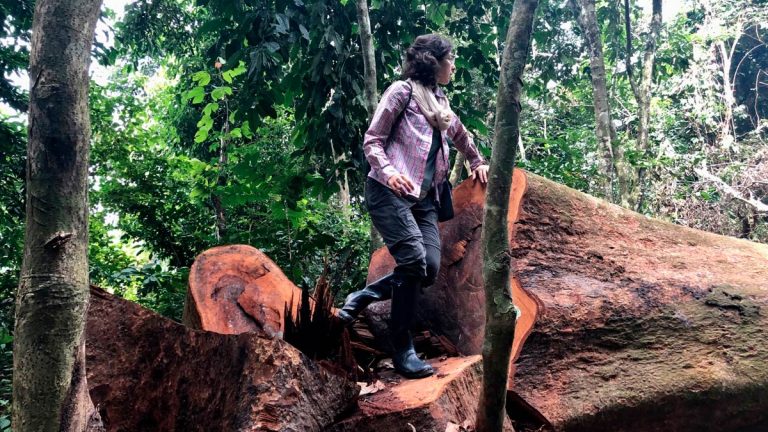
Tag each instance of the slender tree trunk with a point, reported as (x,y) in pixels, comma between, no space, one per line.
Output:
(634,196)
(500,311)
(49,384)
(726,125)
(584,10)
(371,91)
(458,167)
(218,206)
(521,148)
(369,58)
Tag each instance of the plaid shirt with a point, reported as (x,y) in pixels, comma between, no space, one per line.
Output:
(404,150)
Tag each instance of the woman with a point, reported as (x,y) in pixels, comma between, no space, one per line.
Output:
(406,147)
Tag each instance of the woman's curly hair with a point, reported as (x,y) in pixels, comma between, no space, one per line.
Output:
(422,58)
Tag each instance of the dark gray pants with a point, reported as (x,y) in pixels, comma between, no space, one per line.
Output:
(409,230)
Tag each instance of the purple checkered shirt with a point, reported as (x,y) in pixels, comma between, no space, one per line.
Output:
(404,150)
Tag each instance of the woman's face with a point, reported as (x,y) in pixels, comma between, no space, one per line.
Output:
(447,68)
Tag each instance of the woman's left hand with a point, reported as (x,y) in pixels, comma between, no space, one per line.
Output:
(480,173)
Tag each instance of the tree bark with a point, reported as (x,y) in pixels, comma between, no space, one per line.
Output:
(584,10)
(500,310)
(49,384)
(148,373)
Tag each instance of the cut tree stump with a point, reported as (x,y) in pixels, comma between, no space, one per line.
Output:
(238,289)
(430,404)
(628,323)
(147,373)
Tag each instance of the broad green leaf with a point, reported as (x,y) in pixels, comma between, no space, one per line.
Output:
(221,92)
(230,74)
(202,78)
(201,135)
(196,94)
(239,70)
(205,122)
(246,128)
(210,108)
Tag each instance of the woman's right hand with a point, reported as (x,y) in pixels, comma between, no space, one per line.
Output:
(400,185)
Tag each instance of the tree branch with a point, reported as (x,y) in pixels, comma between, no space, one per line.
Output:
(702,172)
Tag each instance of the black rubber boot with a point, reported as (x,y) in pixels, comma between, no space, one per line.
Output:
(359,300)
(404,294)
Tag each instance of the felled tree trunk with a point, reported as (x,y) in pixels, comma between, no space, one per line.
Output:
(231,286)
(628,323)
(148,373)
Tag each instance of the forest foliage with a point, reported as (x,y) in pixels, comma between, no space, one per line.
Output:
(241,122)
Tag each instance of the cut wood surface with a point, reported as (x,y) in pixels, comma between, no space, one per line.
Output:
(148,373)
(237,289)
(429,404)
(632,324)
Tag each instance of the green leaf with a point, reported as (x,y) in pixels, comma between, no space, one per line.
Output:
(202,78)
(197,95)
(246,128)
(206,122)
(239,70)
(201,135)
(210,108)
(197,166)
(221,92)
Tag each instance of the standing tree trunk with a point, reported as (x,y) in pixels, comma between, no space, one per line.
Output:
(610,153)
(369,57)
(221,180)
(500,311)
(458,168)
(642,92)
(49,385)
(371,91)
(727,131)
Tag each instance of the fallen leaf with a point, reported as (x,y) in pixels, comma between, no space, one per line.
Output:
(366,389)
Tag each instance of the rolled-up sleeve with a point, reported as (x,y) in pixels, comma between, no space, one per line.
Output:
(392,103)
(464,143)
